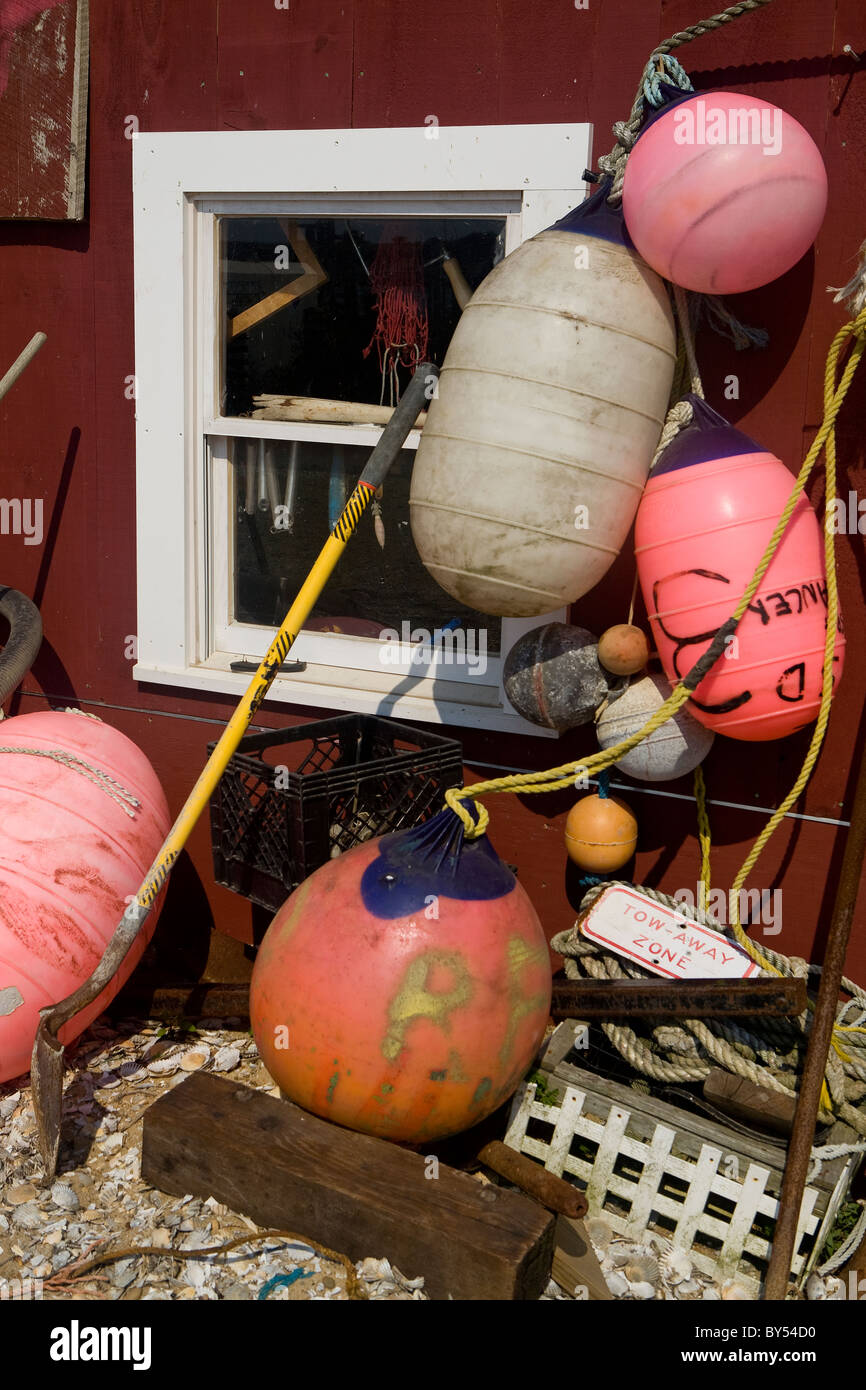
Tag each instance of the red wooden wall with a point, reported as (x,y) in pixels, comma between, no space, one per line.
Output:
(67,429)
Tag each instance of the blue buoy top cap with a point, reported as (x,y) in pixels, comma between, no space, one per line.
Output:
(595,217)
(709,436)
(673,96)
(414,867)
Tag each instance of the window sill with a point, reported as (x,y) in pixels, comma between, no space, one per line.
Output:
(361,692)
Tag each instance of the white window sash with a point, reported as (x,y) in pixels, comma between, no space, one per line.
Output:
(182,183)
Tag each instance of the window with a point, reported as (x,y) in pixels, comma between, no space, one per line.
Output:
(286,283)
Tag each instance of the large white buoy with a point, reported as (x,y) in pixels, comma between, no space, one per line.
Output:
(550,403)
(671,751)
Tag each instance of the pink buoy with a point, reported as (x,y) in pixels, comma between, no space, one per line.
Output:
(706,517)
(723,192)
(83,816)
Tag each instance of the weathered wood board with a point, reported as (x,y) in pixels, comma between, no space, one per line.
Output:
(270,1161)
(576,1268)
(43,108)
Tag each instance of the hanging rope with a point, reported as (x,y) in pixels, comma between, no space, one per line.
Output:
(661,68)
(402,327)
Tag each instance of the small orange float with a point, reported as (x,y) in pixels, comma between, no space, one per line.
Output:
(600,834)
(623,649)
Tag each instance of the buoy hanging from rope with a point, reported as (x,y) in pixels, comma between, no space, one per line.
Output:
(551,399)
(552,676)
(672,750)
(723,192)
(601,834)
(623,649)
(707,515)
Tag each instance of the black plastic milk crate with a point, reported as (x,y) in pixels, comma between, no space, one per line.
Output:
(330,786)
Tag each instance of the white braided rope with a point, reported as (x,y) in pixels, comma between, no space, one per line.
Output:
(124,798)
(851,1243)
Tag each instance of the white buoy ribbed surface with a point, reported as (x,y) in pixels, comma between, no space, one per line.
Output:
(550,403)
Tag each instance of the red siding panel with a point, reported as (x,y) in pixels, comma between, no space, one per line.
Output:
(67,428)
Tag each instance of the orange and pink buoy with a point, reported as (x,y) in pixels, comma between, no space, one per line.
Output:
(403,989)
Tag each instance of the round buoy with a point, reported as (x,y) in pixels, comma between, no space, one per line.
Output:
(553,678)
(549,406)
(600,834)
(403,989)
(674,749)
(704,522)
(83,816)
(623,650)
(723,193)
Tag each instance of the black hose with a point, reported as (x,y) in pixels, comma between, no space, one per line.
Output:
(25,639)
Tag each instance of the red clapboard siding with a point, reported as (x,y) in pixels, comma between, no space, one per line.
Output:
(67,428)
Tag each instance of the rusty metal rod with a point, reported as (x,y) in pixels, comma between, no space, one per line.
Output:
(678,998)
(808,1101)
(552,1192)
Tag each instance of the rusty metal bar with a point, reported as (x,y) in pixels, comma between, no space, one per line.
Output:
(678,998)
(554,1193)
(805,1118)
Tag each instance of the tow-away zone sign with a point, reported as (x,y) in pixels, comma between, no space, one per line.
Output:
(662,940)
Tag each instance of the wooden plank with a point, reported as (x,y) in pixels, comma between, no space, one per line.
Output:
(745,1101)
(288,68)
(560,1142)
(270,1161)
(314,275)
(600,1177)
(575,1264)
(646,1192)
(678,998)
(275,407)
(43,108)
(701,1184)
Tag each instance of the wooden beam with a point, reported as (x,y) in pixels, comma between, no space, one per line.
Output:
(271,1161)
(314,275)
(275,407)
(757,1105)
(678,998)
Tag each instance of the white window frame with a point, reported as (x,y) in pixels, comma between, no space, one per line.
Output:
(181,182)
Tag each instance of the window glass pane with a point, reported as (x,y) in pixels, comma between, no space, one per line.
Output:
(342,308)
(287,496)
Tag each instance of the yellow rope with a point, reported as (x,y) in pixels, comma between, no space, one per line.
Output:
(833,398)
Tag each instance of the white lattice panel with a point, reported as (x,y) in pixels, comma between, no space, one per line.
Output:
(658,1163)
